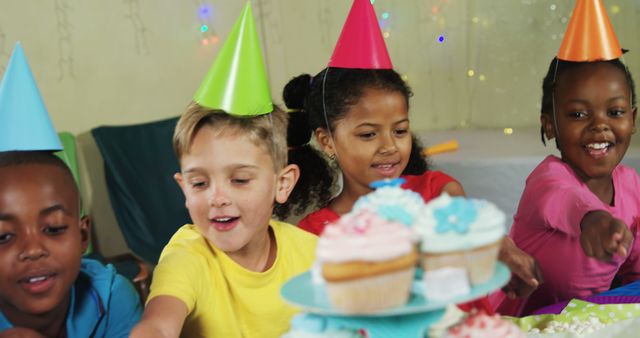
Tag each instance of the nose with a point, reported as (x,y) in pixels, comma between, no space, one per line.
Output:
(33,248)
(600,122)
(218,197)
(388,145)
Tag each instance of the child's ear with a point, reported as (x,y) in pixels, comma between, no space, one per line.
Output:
(324,140)
(286,181)
(178,177)
(547,125)
(635,113)
(85,231)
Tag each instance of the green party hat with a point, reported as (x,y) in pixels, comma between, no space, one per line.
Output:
(237,82)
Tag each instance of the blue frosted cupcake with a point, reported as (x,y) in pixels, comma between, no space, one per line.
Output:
(459,232)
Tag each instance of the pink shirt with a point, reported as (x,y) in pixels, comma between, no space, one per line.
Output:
(547,226)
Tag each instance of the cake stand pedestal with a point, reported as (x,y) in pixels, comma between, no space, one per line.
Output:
(412,320)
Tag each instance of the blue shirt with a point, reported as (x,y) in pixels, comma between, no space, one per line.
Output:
(103,304)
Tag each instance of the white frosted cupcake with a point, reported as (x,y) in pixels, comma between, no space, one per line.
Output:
(392,202)
(367,262)
(458,232)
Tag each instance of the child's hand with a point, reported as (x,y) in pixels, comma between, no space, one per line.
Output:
(526,275)
(603,236)
(20,332)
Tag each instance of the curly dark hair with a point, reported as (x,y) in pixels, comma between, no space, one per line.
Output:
(334,91)
(557,67)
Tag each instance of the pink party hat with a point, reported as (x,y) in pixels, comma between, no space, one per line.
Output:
(361,44)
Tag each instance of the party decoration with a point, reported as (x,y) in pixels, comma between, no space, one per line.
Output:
(589,35)
(361,44)
(237,82)
(24,120)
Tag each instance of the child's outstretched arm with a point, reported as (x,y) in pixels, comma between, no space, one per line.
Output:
(163,317)
(527,275)
(602,236)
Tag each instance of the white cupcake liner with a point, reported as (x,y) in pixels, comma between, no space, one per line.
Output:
(372,294)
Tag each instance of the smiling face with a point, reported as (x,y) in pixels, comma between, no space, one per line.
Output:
(230,186)
(372,141)
(42,240)
(595,119)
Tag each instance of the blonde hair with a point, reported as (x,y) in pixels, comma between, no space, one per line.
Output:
(268,130)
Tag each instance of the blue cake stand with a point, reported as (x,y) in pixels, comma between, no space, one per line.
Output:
(411,320)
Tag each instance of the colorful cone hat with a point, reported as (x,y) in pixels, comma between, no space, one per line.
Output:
(237,82)
(24,120)
(589,36)
(361,44)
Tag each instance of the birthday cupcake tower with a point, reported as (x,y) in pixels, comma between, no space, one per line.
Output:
(367,258)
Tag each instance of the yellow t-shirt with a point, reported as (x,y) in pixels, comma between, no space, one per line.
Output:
(223,298)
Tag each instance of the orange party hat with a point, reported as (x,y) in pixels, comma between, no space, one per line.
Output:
(589,36)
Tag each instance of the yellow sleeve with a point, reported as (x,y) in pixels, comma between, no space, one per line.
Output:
(178,274)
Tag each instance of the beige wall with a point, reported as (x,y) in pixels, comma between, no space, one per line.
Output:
(103,62)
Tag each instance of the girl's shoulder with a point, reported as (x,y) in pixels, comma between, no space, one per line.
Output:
(429,184)
(316,221)
(627,173)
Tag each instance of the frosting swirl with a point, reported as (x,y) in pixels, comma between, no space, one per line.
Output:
(362,235)
(393,203)
(457,223)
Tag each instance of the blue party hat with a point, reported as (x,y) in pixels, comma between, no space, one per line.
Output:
(24,121)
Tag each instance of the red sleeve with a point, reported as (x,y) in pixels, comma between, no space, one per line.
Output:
(429,184)
(317,220)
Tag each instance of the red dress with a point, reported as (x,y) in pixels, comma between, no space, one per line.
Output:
(429,185)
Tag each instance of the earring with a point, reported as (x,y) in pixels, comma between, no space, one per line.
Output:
(332,157)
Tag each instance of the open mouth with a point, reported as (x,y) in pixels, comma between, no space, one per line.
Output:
(225,223)
(37,284)
(598,149)
(385,169)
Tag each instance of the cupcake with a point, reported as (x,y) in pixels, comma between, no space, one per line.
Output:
(312,326)
(367,262)
(481,325)
(392,202)
(462,233)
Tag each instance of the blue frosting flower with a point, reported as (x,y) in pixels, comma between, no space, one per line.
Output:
(388,182)
(457,216)
(395,213)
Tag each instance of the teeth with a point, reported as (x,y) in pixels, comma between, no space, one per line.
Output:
(224,219)
(37,279)
(385,166)
(598,145)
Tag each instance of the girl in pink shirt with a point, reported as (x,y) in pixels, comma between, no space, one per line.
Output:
(578,214)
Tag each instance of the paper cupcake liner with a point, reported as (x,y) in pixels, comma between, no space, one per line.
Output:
(480,263)
(372,294)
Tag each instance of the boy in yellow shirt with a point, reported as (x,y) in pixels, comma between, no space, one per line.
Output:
(221,276)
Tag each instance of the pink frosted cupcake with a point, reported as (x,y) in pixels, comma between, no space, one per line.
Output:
(481,325)
(367,262)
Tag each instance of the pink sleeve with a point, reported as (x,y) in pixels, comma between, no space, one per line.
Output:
(630,269)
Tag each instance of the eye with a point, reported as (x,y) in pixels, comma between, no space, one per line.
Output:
(367,136)
(616,112)
(6,237)
(55,230)
(577,114)
(240,181)
(401,131)
(198,184)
